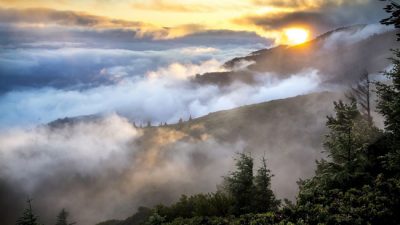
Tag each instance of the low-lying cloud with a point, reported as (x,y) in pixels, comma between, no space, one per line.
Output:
(348,37)
(164,95)
(98,171)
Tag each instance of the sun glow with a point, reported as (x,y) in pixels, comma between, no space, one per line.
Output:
(295,36)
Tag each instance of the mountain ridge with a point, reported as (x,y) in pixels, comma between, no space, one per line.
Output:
(338,62)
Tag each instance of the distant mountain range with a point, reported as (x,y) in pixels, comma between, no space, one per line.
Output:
(340,56)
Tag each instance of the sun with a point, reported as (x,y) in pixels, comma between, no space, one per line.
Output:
(295,36)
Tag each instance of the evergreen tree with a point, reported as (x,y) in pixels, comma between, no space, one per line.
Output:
(389,96)
(155,219)
(339,141)
(265,200)
(62,218)
(394,19)
(349,134)
(240,185)
(389,107)
(28,218)
(362,93)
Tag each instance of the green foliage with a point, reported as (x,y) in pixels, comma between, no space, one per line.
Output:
(374,203)
(389,107)
(139,218)
(142,214)
(240,185)
(350,187)
(264,198)
(394,19)
(247,219)
(155,219)
(28,218)
(349,134)
(212,204)
(242,194)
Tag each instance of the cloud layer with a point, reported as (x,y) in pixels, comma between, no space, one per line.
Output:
(98,171)
(164,95)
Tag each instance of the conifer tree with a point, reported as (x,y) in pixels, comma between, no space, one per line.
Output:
(28,218)
(394,19)
(389,94)
(62,218)
(240,185)
(264,197)
(389,107)
(362,93)
(340,140)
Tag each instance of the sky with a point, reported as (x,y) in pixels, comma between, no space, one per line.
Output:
(165,19)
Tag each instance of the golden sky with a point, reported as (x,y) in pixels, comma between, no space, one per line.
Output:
(192,15)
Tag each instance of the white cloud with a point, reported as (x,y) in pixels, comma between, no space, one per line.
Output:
(351,36)
(69,165)
(165,95)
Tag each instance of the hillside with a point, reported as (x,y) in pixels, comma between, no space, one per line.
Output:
(272,128)
(289,132)
(340,56)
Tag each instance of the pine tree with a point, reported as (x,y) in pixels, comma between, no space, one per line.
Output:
(394,9)
(240,185)
(265,200)
(389,94)
(340,141)
(389,107)
(28,218)
(389,98)
(62,218)
(362,93)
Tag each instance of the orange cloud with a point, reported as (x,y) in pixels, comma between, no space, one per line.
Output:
(64,18)
(161,5)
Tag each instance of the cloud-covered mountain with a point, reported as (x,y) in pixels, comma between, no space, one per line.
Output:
(44,81)
(103,167)
(340,57)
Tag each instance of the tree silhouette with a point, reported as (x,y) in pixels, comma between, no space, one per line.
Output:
(394,19)
(62,218)
(240,184)
(28,218)
(362,93)
(264,197)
